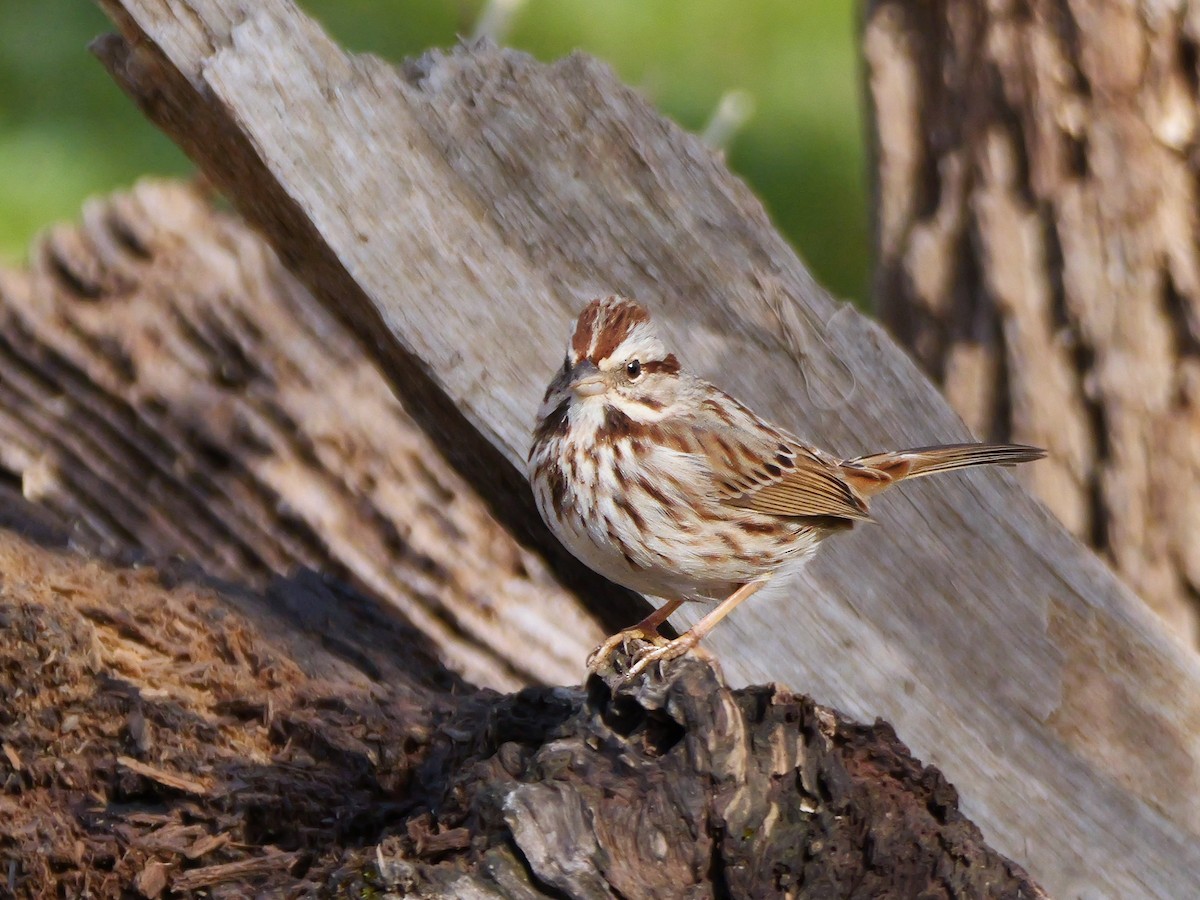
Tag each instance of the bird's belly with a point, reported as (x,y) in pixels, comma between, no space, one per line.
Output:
(605,556)
(657,540)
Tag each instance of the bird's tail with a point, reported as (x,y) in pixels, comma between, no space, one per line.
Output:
(871,474)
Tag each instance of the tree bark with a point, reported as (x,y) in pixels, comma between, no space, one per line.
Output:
(1037,239)
(163,734)
(478,194)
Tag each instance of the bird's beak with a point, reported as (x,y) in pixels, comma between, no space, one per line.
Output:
(586,380)
(593,386)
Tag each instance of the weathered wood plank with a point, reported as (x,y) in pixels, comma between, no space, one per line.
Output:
(459,211)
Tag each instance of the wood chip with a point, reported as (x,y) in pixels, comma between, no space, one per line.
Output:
(205,845)
(152,880)
(162,776)
(235,871)
(14,758)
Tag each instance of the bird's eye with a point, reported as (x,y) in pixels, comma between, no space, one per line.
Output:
(633,369)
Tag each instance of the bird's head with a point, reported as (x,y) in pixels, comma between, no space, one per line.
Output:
(614,358)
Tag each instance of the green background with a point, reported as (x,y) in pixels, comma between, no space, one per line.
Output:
(67,132)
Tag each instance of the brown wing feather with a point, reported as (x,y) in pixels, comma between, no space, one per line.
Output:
(811,488)
(759,467)
(767,471)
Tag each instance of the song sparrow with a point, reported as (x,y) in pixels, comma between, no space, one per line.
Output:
(667,485)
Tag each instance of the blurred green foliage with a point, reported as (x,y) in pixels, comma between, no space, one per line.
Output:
(67,132)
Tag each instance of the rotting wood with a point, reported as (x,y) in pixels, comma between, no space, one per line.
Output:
(1036,168)
(304,735)
(457,211)
(335,769)
(166,386)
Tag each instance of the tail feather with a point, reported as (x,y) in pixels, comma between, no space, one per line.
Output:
(871,474)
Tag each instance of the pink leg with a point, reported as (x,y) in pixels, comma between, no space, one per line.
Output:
(649,625)
(647,629)
(696,633)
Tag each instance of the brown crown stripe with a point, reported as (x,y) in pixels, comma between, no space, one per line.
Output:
(622,316)
(582,338)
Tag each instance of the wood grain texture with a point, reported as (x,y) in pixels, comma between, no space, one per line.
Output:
(458,211)
(167,386)
(1039,253)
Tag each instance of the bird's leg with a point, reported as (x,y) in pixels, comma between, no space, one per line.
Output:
(696,633)
(646,629)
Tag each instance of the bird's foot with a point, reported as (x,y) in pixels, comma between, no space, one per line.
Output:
(601,654)
(665,650)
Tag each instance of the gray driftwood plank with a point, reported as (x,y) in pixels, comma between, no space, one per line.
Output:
(458,211)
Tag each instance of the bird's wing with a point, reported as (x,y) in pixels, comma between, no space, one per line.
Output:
(759,467)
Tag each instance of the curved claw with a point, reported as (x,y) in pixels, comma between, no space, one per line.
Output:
(665,650)
(601,654)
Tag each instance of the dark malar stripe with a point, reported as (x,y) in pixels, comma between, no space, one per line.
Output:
(555,425)
(616,425)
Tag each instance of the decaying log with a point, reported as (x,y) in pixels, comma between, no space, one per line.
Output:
(1039,252)
(301,742)
(456,212)
(167,386)
(150,732)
